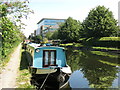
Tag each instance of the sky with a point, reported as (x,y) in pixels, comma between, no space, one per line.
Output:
(62,9)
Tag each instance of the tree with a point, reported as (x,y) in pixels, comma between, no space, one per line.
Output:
(16,11)
(49,35)
(10,35)
(70,30)
(99,23)
(55,35)
(36,39)
(10,24)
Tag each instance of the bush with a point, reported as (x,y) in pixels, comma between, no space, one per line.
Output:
(11,36)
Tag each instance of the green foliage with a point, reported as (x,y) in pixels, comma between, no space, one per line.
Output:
(10,36)
(10,28)
(3,10)
(36,39)
(100,23)
(54,35)
(49,35)
(39,37)
(70,30)
(17,10)
(45,40)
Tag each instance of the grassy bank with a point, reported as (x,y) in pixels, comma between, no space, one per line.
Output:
(23,80)
(108,43)
(106,48)
(112,42)
(68,44)
(109,39)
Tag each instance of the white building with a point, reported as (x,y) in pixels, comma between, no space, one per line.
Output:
(48,24)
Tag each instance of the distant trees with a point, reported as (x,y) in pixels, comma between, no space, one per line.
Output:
(99,23)
(70,30)
(49,35)
(55,35)
(52,35)
(36,39)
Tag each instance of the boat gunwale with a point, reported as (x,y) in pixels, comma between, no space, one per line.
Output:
(36,47)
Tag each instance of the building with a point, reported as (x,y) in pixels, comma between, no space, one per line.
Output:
(48,24)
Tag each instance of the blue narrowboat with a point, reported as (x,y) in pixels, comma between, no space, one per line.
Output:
(47,64)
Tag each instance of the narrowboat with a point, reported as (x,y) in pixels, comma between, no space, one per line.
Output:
(47,65)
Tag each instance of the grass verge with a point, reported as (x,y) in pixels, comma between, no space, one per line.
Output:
(23,80)
(109,39)
(106,48)
(68,44)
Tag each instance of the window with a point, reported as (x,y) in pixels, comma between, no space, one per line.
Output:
(49,58)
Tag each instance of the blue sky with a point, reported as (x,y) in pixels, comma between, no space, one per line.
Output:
(77,9)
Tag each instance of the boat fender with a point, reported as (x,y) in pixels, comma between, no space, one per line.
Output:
(60,78)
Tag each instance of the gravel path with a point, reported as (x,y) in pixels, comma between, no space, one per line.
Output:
(9,74)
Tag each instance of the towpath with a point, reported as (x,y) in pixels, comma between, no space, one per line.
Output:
(9,74)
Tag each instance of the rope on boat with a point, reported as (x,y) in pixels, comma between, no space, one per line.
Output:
(44,81)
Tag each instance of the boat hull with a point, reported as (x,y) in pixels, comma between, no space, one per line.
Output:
(52,69)
(41,71)
(55,80)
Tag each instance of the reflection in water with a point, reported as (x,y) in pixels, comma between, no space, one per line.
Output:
(80,81)
(89,72)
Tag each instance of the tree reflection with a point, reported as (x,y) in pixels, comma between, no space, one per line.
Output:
(98,74)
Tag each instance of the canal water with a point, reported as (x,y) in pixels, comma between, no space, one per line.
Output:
(93,69)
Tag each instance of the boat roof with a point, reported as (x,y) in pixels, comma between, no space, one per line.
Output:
(38,46)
